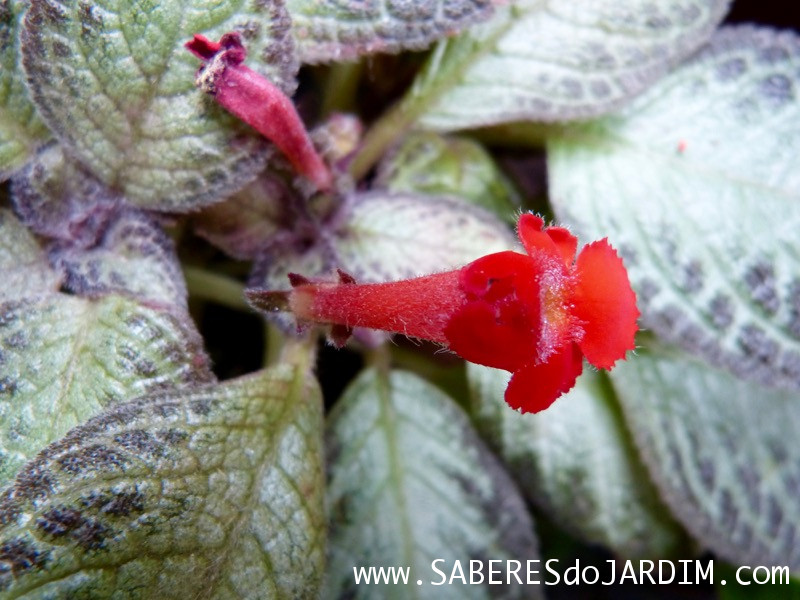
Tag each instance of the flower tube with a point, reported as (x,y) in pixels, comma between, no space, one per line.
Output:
(256,101)
(537,315)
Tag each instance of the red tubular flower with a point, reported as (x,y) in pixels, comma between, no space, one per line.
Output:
(256,101)
(536,315)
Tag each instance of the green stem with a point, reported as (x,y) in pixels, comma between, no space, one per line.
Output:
(341,87)
(273,344)
(383,133)
(216,288)
(301,351)
(400,118)
(380,359)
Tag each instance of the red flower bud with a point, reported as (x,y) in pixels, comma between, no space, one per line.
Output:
(536,314)
(256,101)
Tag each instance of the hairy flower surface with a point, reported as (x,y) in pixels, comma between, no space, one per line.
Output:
(536,315)
(256,101)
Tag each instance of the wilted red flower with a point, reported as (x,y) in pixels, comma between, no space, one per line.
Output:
(256,101)
(536,314)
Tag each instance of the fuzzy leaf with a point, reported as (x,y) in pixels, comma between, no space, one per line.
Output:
(24,266)
(344,30)
(723,453)
(135,257)
(102,246)
(116,86)
(383,236)
(427,163)
(410,481)
(59,198)
(698,184)
(213,493)
(394,236)
(21,130)
(577,463)
(558,60)
(64,359)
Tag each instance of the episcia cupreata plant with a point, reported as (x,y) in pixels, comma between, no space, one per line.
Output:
(157,163)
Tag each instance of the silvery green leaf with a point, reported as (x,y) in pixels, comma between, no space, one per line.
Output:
(116,86)
(21,130)
(410,482)
(64,359)
(135,257)
(576,461)
(59,198)
(386,236)
(698,184)
(428,163)
(346,29)
(214,492)
(26,271)
(558,60)
(722,451)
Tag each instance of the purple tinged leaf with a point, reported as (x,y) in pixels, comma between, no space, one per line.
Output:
(60,199)
(64,357)
(134,257)
(100,246)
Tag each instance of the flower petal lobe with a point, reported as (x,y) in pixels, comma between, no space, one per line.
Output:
(565,242)
(537,385)
(475,334)
(605,304)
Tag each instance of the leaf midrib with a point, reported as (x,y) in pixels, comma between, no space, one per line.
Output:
(388,420)
(293,400)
